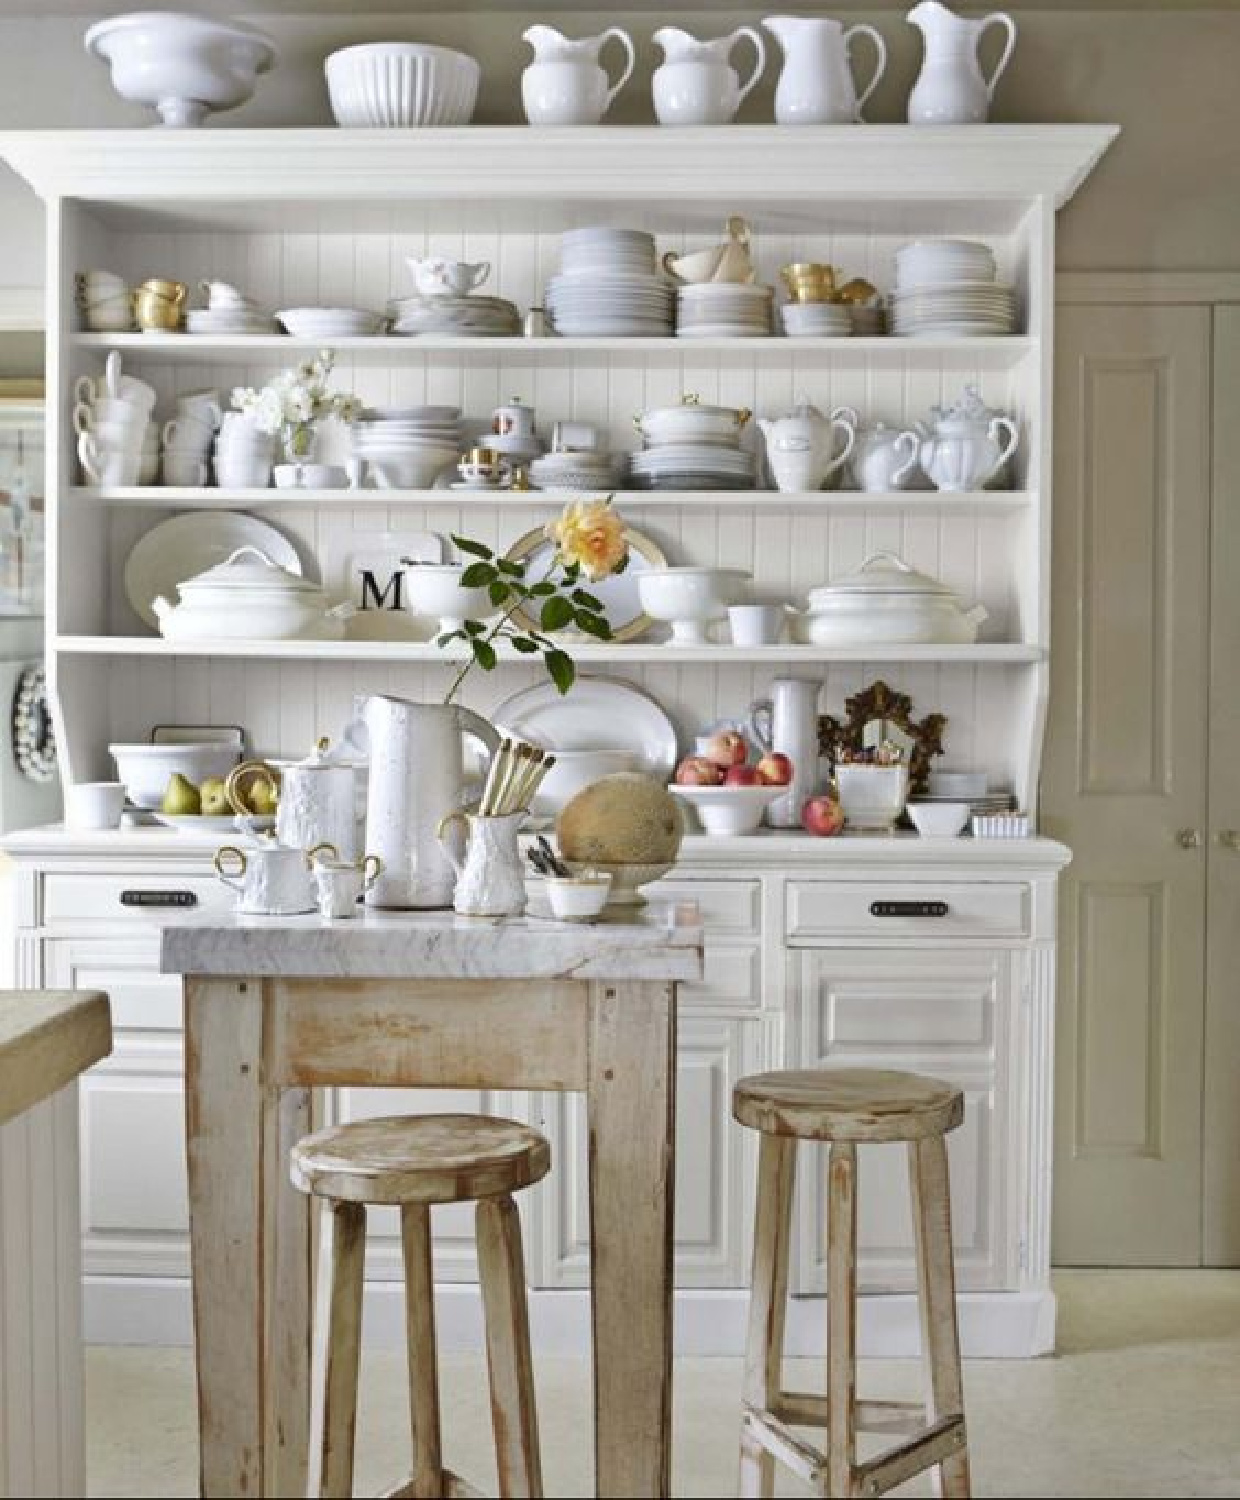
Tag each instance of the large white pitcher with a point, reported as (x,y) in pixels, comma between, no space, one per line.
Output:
(816,85)
(417,775)
(951,88)
(787,723)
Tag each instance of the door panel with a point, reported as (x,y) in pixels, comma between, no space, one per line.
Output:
(1125,771)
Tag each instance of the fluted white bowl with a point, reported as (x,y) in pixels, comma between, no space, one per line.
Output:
(395,85)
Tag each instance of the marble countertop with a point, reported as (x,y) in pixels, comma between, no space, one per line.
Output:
(658,942)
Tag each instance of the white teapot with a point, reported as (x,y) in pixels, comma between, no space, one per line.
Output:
(272,879)
(965,446)
(800,448)
(696,83)
(437,277)
(885,458)
(565,84)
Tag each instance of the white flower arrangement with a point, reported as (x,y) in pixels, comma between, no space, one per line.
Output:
(294,401)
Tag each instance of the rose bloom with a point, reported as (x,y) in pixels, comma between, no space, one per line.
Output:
(592,534)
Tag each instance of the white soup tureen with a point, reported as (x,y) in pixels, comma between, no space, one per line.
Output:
(887,603)
(249,597)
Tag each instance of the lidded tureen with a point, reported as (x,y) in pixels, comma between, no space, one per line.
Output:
(248,596)
(886,602)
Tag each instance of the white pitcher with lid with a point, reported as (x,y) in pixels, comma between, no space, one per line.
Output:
(816,85)
(566,84)
(696,83)
(951,88)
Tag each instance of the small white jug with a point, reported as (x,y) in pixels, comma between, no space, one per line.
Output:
(490,879)
(696,83)
(341,884)
(565,84)
(951,88)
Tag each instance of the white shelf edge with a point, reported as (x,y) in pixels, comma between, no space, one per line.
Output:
(985,653)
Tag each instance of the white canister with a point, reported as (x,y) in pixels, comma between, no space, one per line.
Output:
(318,803)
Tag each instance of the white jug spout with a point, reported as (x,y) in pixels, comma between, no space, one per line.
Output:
(927,13)
(543,39)
(161,607)
(675,42)
(782,27)
(766,426)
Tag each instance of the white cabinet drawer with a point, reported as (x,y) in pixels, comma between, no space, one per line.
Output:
(727,906)
(731,978)
(883,910)
(79,900)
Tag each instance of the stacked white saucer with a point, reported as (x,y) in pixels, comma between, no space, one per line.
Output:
(407,448)
(228,311)
(817,320)
(677,462)
(469,316)
(723,309)
(609,286)
(947,289)
(574,471)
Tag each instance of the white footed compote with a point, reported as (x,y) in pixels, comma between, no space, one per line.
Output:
(690,599)
(435,591)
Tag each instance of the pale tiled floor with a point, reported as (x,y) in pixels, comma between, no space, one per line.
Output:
(1142,1400)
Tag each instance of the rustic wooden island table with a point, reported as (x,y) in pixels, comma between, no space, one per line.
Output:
(278,1007)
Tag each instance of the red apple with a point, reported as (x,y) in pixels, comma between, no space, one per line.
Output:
(822,816)
(742,776)
(696,770)
(775,769)
(727,748)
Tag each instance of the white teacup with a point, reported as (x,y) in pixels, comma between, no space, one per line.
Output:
(189,471)
(109,467)
(117,415)
(96,286)
(128,388)
(221,294)
(188,434)
(94,804)
(756,624)
(112,315)
(342,883)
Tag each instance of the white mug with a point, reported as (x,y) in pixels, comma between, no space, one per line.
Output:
(109,467)
(242,471)
(94,804)
(342,884)
(116,437)
(127,388)
(112,413)
(221,294)
(188,434)
(756,624)
(574,437)
(189,471)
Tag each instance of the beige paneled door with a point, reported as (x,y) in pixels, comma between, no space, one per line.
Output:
(1125,779)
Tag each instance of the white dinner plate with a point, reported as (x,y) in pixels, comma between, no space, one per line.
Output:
(189,544)
(595,714)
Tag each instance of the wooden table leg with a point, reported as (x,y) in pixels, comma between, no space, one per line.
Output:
(632,1116)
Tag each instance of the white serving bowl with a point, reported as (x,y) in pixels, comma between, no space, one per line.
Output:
(872,796)
(182,66)
(689,599)
(728,811)
(579,897)
(146,769)
(407,468)
(435,590)
(576,769)
(395,85)
(939,820)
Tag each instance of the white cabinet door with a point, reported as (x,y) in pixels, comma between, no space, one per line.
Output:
(943,1012)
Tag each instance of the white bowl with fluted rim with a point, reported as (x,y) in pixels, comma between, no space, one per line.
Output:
(690,599)
(396,85)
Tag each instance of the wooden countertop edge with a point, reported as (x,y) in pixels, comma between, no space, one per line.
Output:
(47,1038)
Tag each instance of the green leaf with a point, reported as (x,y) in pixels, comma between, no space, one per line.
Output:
(478,575)
(475,549)
(556,613)
(560,669)
(593,624)
(587,600)
(484,654)
(513,569)
(524,645)
(541,590)
(475,627)
(499,593)
(572,572)
(624,562)
(449,636)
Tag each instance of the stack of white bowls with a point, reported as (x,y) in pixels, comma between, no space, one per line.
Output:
(947,289)
(817,320)
(609,286)
(575,472)
(469,316)
(407,448)
(112,417)
(104,300)
(189,438)
(244,454)
(723,309)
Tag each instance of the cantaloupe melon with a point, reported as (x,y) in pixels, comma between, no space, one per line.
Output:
(624,819)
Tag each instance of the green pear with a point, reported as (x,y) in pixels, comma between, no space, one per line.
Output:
(181,797)
(214,796)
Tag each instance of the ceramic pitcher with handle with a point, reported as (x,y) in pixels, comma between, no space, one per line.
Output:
(816,84)
(951,88)
(417,776)
(786,723)
(696,83)
(566,83)
(490,878)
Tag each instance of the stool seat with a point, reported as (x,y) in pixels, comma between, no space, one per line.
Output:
(847,1104)
(420,1159)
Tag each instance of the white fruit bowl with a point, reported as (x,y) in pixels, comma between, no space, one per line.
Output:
(729,811)
(396,85)
(146,769)
(690,599)
(182,66)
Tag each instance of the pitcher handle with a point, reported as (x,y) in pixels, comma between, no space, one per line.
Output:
(910,442)
(217,862)
(372,868)
(759,711)
(474,724)
(850,442)
(880,62)
(747,33)
(324,848)
(997,18)
(446,822)
(627,40)
(1008,428)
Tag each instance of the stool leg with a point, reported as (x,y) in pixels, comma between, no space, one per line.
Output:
(338,1339)
(768,1302)
(841,1318)
(501,1269)
(415,1234)
(936,1288)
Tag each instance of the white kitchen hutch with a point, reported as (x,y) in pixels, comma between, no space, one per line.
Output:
(799,968)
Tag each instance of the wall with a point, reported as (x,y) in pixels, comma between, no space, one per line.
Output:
(1167,196)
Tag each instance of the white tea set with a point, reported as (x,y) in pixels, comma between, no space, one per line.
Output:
(117,444)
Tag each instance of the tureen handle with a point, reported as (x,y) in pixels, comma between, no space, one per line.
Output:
(887,557)
(253,551)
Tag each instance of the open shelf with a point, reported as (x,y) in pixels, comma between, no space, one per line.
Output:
(985,653)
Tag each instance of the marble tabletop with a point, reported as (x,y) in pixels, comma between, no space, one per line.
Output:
(662,941)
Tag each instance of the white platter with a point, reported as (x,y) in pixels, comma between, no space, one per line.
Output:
(595,714)
(617,593)
(210,823)
(189,544)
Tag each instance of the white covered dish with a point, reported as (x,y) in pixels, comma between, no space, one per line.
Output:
(249,597)
(887,603)
(692,422)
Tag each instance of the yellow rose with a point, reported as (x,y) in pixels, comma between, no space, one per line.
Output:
(590,533)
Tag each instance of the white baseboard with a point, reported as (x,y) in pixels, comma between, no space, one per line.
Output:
(993,1325)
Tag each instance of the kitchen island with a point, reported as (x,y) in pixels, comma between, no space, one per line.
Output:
(277,1008)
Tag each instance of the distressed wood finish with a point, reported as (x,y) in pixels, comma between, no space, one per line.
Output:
(48,1037)
(514,1413)
(832,1105)
(334,1421)
(421,1352)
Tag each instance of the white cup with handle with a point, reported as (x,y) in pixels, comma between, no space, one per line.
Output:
(110,468)
(187,471)
(201,406)
(187,434)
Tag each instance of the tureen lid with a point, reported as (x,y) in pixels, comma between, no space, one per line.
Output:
(690,403)
(247,568)
(882,573)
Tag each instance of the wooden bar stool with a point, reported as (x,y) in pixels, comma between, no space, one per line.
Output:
(412,1163)
(848,1107)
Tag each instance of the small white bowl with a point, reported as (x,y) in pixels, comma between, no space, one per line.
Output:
(729,811)
(939,820)
(579,898)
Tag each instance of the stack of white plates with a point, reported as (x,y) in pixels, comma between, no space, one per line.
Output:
(573,472)
(817,320)
(248,318)
(723,309)
(609,286)
(947,288)
(408,447)
(331,322)
(693,466)
(468,317)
